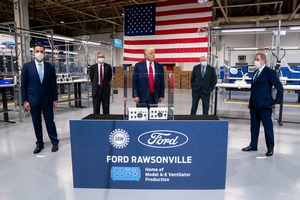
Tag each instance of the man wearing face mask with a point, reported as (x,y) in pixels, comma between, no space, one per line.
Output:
(203,82)
(101,75)
(39,93)
(262,102)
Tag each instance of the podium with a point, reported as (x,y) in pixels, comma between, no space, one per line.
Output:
(169,154)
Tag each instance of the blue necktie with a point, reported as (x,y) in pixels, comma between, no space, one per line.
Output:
(40,71)
(202,72)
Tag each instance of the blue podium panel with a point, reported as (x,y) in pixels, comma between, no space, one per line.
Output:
(149,154)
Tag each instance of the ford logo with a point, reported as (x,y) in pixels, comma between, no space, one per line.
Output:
(163,139)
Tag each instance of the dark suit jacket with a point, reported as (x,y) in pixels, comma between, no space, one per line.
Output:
(140,82)
(94,76)
(207,84)
(261,90)
(33,90)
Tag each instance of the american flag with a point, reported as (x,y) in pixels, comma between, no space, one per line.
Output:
(169,27)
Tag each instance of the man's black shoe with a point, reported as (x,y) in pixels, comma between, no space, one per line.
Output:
(270,153)
(38,149)
(54,148)
(248,148)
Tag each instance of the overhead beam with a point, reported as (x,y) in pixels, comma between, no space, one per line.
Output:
(258,7)
(136,2)
(226,8)
(251,4)
(294,12)
(57,24)
(83,13)
(294,4)
(224,13)
(120,18)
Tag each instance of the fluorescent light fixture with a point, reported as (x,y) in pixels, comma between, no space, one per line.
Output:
(295,27)
(242,30)
(94,43)
(61,37)
(50,51)
(245,48)
(71,53)
(290,48)
(281,32)
(47,50)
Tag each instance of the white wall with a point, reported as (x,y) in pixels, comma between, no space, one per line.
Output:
(291,39)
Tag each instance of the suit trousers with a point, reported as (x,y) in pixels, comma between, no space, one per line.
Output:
(35,112)
(196,95)
(98,98)
(264,116)
(150,103)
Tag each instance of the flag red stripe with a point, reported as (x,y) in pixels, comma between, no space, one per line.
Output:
(168,41)
(165,60)
(183,21)
(176,31)
(161,51)
(173,3)
(183,11)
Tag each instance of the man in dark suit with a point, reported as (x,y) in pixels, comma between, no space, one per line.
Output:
(39,93)
(148,86)
(101,75)
(262,102)
(203,82)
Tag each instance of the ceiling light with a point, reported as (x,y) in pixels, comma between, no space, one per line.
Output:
(61,37)
(92,43)
(242,30)
(294,27)
(47,50)
(290,48)
(245,48)
(50,51)
(70,52)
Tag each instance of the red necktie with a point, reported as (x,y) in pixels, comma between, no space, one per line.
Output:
(151,78)
(101,80)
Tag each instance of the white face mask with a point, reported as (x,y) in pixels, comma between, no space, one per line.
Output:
(39,56)
(257,64)
(100,60)
(203,63)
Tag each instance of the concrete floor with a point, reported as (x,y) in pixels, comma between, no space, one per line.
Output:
(250,175)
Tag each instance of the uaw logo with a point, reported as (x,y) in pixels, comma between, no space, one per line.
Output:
(163,139)
(119,138)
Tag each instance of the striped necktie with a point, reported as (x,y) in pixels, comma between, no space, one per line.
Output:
(256,75)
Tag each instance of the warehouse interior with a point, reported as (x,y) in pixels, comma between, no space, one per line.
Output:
(74,31)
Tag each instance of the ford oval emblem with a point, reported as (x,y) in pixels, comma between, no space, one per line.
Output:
(163,139)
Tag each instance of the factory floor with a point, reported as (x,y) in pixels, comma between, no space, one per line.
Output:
(250,175)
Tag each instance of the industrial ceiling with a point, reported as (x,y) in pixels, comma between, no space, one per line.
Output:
(87,17)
